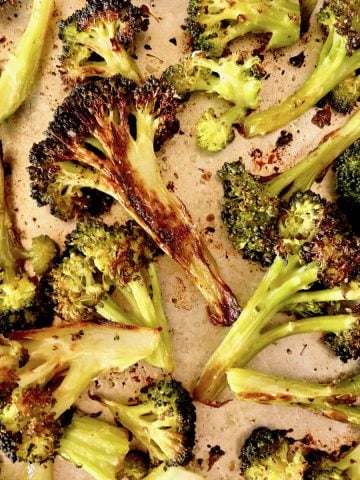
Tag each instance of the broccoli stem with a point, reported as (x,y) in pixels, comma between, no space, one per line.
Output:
(334,65)
(111,310)
(334,294)
(37,471)
(17,79)
(301,176)
(333,400)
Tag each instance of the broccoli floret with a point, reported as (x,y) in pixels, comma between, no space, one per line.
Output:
(18,76)
(313,247)
(347,177)
(95,446)
(136,465)
(44,371)
(339,58)
(102,263)
(163,472)
(342,465)
(98,40)
(163,421)
(213,24)
(103,138)
(231,78)
(343,97)
(271,454)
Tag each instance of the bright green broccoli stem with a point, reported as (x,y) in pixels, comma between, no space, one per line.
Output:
(111,310)
(334,65)
(18,76)
(95,446)
(301,176)
(36,471)
(333,400)
(240,344)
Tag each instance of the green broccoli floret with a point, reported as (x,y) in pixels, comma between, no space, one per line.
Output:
(172,473)
(18,76)
(344,96)
(95,446)
(271,454)
(98,40)
(339,58)
(43,372)
(102,263)
(103,138)
(163,421)
(213,24)
(313,247)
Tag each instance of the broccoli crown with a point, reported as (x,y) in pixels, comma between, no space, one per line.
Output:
(345,95)
(347,176)
(136,465)
(270,454)
(212,25)
(98,39)
(345,344)
(249,213)
(163,421)
(42,253)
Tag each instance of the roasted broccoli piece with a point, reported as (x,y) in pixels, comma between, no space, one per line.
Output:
(21,295)
(95,446)
(306,9)
(103,138)
(43,372)
(18,76)
(102,263)
(163,472)
(340,465)
(343,97)
(37,471)
(347,176)
(213,24)
(136,465)
(313,247)
(232,78)
(339,58)
(163,421)
(98,40)
(272,454)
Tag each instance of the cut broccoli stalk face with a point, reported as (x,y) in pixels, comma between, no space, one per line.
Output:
(98,40)
(333,400)
(212,25)
(127,123)
(95,446)
(18,76)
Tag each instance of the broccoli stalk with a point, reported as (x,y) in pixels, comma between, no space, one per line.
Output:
(312,247)
(95,446)
(37,471)
(163,421)
(336,400)
(97,40)
(18,76)
(339,58)
(213,24)
(103,138)
(172,473)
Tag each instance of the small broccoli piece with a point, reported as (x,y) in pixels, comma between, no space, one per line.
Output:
(95,446)
(172,473)
(42,253)
(103,138)
(342,465)
(98,40)
(18,76)
(37,471)
(271,454)
(347,176)
(344,96)
(163,421)
(44,371)
(213,24)
(338,58)
(136,465)
(313,247)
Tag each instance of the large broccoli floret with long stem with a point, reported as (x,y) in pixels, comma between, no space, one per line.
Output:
(43,372)
(18,76)
(98,40)
(163,421)
(313,247)
(339,58)
(232,78)
(102,263)
(213,24)
(103,139)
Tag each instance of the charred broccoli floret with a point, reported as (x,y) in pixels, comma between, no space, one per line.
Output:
(163,421)
(344,96)
(213,24)
(18,76)
(43,372)
(102,263)
(98,40)
(313,247)
(339,58)
(232,78)
(343,464)
(103,138)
